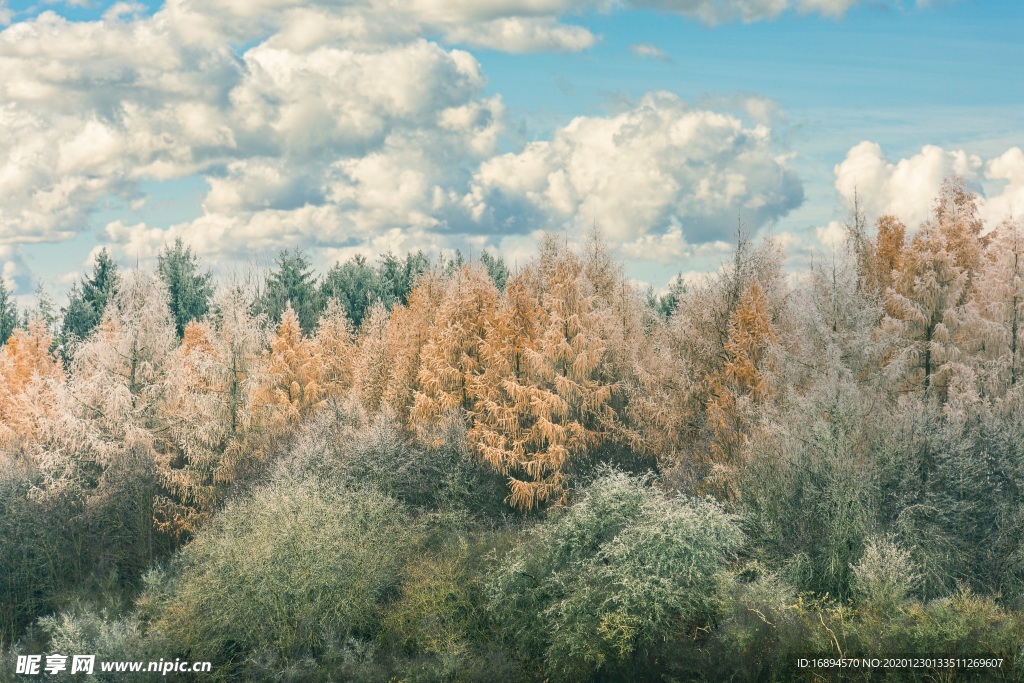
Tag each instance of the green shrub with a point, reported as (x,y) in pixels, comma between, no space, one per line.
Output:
(614,580)
(286,573)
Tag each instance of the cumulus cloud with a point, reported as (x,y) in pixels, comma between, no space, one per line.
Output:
(14,270)
(671,247)
(659,165)
(907,187)
(338,124)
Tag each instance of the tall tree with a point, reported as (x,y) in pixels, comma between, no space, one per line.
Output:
(738,386)
(290,382)
(353,284)
(8,313)
(29,373)
(926,305)
(396,278)
(496,269)
(292,283)
(87,303)
(541,398)
(996,327)
(451,358)
(45,310)
(335,350)
(210,410)
(189,289)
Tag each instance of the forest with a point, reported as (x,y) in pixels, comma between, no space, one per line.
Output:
(421,468)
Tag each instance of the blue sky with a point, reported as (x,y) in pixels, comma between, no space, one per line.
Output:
(247,127)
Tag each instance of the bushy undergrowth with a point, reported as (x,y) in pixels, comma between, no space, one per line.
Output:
(613,582)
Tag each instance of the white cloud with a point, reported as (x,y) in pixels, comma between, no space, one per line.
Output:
(1008,171)
(648,51)
(658,165)
(14,270)
(721,11)
(907,188)
(523,34)
(832,236)
(671,247)
(339,123)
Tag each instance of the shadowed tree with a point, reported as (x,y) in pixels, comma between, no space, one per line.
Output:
(496,269)
(352,283)
(189,289)
(292,283)
(87,303)
(8,313)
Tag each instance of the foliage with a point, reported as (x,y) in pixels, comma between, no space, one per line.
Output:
(87,303)
(462,472)
(291,284)
(189,289)
(8,313)
(614,580)
(286,572)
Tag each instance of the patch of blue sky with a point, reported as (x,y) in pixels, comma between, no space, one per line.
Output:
(73,10)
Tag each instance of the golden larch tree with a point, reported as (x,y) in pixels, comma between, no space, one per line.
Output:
(335,350)
(290,378)
(926,305)
(450,360)
(29,375)
(209,409)
(407,332)
(737,388)
(541,401)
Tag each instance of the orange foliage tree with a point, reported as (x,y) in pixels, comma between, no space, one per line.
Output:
(925,307)
(541,401)
(737,387)
(290,385)
(450,360)
(29,372)
(210,413)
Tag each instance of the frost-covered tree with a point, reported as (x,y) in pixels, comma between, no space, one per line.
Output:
(212,417)
(995,327)
(925,307)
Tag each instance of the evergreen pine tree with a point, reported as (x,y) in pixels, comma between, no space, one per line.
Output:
(87,303)
(353,284)
(189,289)
(8,313)
(292,283)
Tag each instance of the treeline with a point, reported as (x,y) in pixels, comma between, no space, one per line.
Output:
(452,471)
